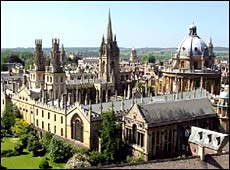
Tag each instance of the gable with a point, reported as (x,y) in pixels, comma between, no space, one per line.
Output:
(23,92)
(135,114)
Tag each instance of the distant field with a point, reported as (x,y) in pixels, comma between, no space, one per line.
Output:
(159,53)
(25,161)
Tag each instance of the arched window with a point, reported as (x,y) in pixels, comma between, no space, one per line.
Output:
(134,129)
(103,67)
(77,129)
(182,64)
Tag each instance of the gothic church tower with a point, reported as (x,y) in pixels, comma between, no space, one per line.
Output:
(37,70)
(109,55)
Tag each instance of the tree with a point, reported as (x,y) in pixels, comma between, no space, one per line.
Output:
(20,127)
(46,139)
(60,151)
(110,136)
(9,115)
(151,59)
(34,144)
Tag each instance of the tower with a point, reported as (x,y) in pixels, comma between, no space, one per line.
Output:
(210,47)
(109,55)
(62,59)
(54,74)
(37,70)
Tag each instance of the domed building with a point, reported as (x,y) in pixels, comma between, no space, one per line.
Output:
(192,67)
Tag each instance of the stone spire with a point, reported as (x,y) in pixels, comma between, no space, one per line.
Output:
(109,35)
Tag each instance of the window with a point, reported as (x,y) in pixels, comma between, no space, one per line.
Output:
(47,78)
(42,125)
(61,119)
(61,131)
(54,129)
(42,113)
(209,138)
(36,111)
(55,117)
(200,135)
(48,127)
(217,141)
(48,115)
(61,79)
(3,101)
(50,79)
(36,122)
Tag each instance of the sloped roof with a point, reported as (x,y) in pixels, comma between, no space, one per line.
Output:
(176,110)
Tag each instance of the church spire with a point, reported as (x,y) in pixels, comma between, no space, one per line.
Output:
(109,35)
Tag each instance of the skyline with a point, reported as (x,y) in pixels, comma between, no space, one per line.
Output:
(136,24)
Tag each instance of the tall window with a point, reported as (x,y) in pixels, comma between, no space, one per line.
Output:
(61,119)
(61,131)
(54,129)
(36,122)
(42,113)
(134,129)
(42,125)
(54,117)
(48,115)
(77,129)
(48,127)
(36,111)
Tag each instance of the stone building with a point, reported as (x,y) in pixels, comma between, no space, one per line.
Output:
(192,67)
(70,105)
(223,109)
(160,129)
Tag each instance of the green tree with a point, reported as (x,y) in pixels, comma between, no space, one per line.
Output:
(46,139)
(9,115)
(20,127)
(60,152)
(34,145)
(110,136)
(151,59)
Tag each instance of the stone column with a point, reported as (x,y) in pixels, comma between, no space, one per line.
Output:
(201,81)
(128,95)
(189,86)
(212,88)
(86,98)
(77,93)
(182,87)
(97,96)
(107,95)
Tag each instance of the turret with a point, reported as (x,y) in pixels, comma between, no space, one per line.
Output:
(210,47)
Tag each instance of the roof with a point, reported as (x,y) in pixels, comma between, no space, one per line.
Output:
(176,110)
(145,100)
(207,138)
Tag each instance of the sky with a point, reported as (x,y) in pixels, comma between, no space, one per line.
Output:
(136,24)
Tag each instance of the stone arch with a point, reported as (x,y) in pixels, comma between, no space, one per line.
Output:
(77,128)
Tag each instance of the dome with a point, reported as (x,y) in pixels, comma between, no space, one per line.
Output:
(192,44)
(224,94)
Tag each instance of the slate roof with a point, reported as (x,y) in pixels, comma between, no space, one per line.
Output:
(176,110)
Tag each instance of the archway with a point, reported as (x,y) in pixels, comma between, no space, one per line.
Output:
(77,128)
